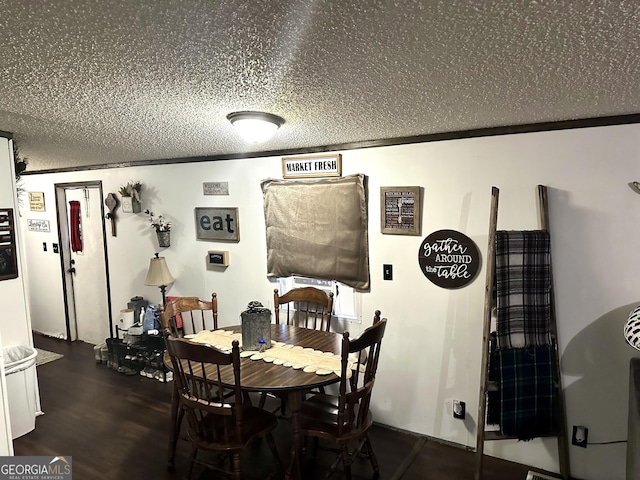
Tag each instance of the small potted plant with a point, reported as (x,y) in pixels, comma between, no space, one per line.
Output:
(131,197)
(162,228)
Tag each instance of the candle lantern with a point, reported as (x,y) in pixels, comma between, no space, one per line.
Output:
(256,327)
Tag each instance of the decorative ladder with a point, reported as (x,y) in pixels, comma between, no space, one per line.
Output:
(487,386)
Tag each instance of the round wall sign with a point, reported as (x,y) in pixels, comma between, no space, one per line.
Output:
(449,259)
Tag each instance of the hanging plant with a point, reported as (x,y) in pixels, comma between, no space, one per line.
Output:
(131,197)
(160,224)
(20,165)
(131,189)
(162,228)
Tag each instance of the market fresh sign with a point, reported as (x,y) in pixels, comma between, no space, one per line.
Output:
(312,166)
(449,259)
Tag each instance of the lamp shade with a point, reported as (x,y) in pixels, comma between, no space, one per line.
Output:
(255,127)
(158,273)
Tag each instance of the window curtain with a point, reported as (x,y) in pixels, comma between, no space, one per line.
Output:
(317,228)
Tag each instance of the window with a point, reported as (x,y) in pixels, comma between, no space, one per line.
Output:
(346,300)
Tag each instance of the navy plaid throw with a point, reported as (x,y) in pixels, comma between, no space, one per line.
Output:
(527,391)
(523,288)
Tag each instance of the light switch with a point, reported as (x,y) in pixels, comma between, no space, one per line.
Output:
(387,272)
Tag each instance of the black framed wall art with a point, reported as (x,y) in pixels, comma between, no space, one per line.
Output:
(400,210)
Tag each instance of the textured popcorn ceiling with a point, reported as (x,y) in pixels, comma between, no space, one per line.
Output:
(90,82)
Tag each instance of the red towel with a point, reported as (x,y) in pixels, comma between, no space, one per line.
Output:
(178,316)
(75,226)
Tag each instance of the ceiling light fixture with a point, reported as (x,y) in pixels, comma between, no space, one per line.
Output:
(255,127)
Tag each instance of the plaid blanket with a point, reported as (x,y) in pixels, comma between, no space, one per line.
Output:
(523,288)
(528,394)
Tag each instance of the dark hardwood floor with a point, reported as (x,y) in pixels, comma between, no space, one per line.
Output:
(115,426)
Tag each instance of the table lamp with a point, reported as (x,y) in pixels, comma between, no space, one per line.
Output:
(159,275)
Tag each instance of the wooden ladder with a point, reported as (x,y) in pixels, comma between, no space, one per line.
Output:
(487,386)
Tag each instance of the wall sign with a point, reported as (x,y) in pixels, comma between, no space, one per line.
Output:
(36,201)
(449,258)
(400,210)
(312,166)
(217,224)
(37,225)
(215,188)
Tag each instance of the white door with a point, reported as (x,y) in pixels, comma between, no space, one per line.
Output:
(85,269)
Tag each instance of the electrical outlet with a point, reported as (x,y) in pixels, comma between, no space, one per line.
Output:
(458,409)
(580,435)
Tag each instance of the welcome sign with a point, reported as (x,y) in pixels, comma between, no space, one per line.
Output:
(449,259)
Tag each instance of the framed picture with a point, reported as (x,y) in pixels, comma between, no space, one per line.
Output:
(310,166)
(213,223)
(36,201)
(400,210)
(8,258)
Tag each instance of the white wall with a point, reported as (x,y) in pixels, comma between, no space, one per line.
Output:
(432,349)
(15,327)
(14,324)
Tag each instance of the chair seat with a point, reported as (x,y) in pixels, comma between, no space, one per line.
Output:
(256,423)
(319,417)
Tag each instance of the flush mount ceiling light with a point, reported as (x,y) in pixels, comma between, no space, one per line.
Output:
(255,127)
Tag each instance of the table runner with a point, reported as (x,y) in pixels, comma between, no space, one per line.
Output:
(293,356)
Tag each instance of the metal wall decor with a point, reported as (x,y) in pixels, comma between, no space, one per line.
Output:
(213,223)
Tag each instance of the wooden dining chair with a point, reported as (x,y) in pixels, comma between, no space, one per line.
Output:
(306,307)
(189,315)
(225,427)
(182,316)
(345,418)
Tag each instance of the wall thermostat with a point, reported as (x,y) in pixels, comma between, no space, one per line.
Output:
(219,258)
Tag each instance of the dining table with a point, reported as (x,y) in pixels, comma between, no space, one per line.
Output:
(262,374)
